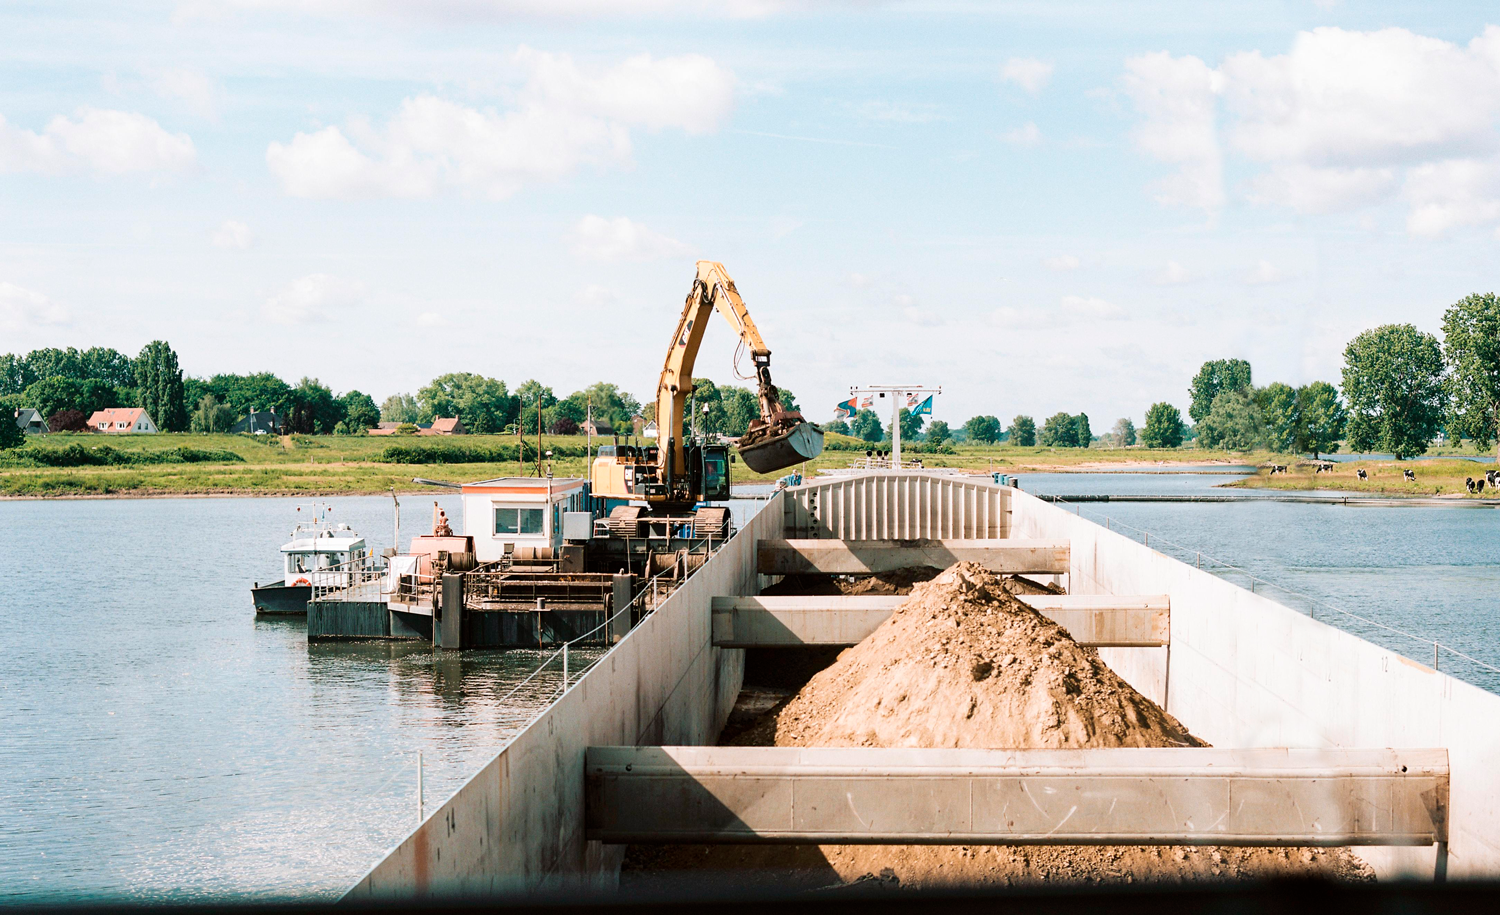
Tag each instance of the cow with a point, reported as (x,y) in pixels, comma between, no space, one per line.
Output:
(1479,486)
(1409,476)
(1469,484)
(1361,474)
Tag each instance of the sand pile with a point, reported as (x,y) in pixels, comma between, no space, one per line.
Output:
(963,663)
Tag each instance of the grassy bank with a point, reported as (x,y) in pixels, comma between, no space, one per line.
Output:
(82,464)
(1440,477)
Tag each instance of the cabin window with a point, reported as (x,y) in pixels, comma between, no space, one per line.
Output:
(518,521)
(713,476)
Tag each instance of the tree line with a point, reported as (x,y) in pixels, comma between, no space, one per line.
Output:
(66,386)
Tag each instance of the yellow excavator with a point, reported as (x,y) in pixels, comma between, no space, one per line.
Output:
(672,476)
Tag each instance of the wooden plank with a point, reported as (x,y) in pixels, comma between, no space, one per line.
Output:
(857,795)
(853,557)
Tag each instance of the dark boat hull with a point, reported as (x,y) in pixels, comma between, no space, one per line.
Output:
(281,599)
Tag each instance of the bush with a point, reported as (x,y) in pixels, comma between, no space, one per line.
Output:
(105,456)
(467,454)
(68,421)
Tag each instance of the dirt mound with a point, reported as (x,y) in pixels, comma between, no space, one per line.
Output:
(963,663)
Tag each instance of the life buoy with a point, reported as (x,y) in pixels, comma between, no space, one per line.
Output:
(301,581)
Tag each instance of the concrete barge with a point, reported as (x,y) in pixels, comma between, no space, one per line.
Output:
(1319,737)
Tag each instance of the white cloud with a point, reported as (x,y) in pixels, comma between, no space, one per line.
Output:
(1061,263)
(313,298)
(193,88)
(595,296)
(233,235)
(1450,194)
(97,140)
(1027,72)
(1026,135)
(22,308)
(1091,307)
(1177,98)
(1264,273)
(563,118)
(622,239)
(1172,274)
(1342,120)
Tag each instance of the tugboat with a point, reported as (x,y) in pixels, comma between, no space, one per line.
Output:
(313,556)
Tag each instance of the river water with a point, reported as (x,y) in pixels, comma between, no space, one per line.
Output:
(160,743)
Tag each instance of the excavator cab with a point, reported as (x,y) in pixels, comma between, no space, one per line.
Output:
(710,466)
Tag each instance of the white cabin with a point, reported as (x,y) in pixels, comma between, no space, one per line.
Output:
(511,512)
(312,554)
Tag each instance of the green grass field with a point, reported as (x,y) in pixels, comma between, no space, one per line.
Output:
(329,465)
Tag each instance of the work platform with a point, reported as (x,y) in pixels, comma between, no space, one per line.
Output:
(1310,726)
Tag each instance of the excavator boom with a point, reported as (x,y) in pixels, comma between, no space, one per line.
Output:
(779,438)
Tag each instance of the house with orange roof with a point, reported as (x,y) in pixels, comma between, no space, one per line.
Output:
(120,420)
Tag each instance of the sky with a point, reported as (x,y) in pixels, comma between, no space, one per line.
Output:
(1038,206)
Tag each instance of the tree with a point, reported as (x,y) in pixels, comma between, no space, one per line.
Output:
(788,400)
(400,408)
(248,393)
(1235,423)
(1023,432)
(11,435)
(52,395)
(564,425)
(484,404)
(741,407)
(1393,383)
(1471,348)
(1322,415)
(937,433)
(984,430)
(838,427)
(1124,432)
(68,421)
(1059,431)
(158,384)
(911,425)
(866,425)
(1213,379)
(1282,415)
(1083,436)
(609,403)
(314,410)
(359,411)
(212,416)
(1163,427)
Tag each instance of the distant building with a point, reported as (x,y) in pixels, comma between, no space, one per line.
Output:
(258,422)
(649,430)
(599,428)
(450,426)
(120,420)
(638,424)
(31,421)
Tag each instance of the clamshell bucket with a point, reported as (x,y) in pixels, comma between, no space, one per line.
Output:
(788,443)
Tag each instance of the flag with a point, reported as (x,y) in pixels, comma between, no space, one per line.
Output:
(846,409)
(911,400)
(925,409)
(868,402)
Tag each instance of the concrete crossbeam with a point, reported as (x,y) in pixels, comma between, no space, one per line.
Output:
(856,795)
(1098,621)
(855,557)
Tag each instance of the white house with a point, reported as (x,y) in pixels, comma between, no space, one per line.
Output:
(117,420)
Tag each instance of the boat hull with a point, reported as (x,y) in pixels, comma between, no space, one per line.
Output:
(281,599)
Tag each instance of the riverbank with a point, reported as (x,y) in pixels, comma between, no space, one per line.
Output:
(1441,478)
(82,465)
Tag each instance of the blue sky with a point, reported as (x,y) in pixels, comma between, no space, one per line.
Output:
(1039,206)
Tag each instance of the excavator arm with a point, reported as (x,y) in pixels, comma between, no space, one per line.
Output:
(780,437)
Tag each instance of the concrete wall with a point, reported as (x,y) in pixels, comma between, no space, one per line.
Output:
(1246,671)
(518,824)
